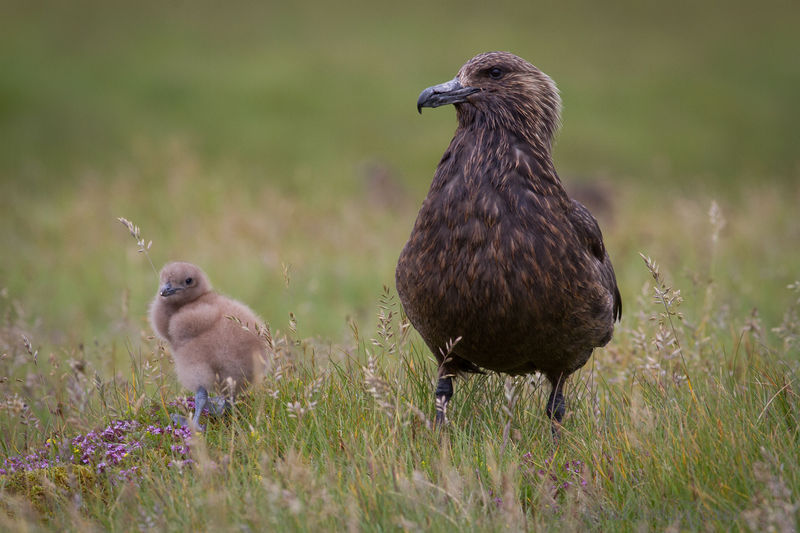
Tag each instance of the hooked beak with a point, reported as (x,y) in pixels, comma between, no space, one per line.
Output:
(451,92)
(168,290)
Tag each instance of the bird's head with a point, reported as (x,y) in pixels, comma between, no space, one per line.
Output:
(499,89)
(181,283)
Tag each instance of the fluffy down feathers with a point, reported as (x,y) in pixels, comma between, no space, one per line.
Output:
(209,348)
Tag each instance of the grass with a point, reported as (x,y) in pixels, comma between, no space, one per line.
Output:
(666,429)
(278,147)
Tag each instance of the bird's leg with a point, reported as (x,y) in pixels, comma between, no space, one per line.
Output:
(444,391)
(200,401)
(218,405)
(556,405)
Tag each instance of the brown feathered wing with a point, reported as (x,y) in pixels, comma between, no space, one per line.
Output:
(589,231)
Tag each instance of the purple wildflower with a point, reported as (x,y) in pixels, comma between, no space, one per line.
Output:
(104,449)
(561,476)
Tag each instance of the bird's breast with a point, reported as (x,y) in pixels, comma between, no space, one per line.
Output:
(471,248)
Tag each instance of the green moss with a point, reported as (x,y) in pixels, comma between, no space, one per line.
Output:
(43,486)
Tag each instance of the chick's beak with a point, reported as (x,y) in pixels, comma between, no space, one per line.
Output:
(168,290)
(451,92)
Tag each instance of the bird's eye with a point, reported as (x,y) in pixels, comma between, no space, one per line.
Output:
(495,73)
(189,281)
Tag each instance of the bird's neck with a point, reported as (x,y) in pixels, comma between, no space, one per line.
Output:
(503,124)
(496,154)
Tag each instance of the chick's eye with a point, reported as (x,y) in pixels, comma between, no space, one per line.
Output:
(495,73)
(189,281)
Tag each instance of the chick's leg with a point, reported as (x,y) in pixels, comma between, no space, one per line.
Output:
(200,401)
(218,406)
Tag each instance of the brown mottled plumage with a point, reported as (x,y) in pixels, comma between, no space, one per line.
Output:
(211,351)
(500,255)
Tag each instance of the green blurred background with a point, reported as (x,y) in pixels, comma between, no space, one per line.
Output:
(278,146)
